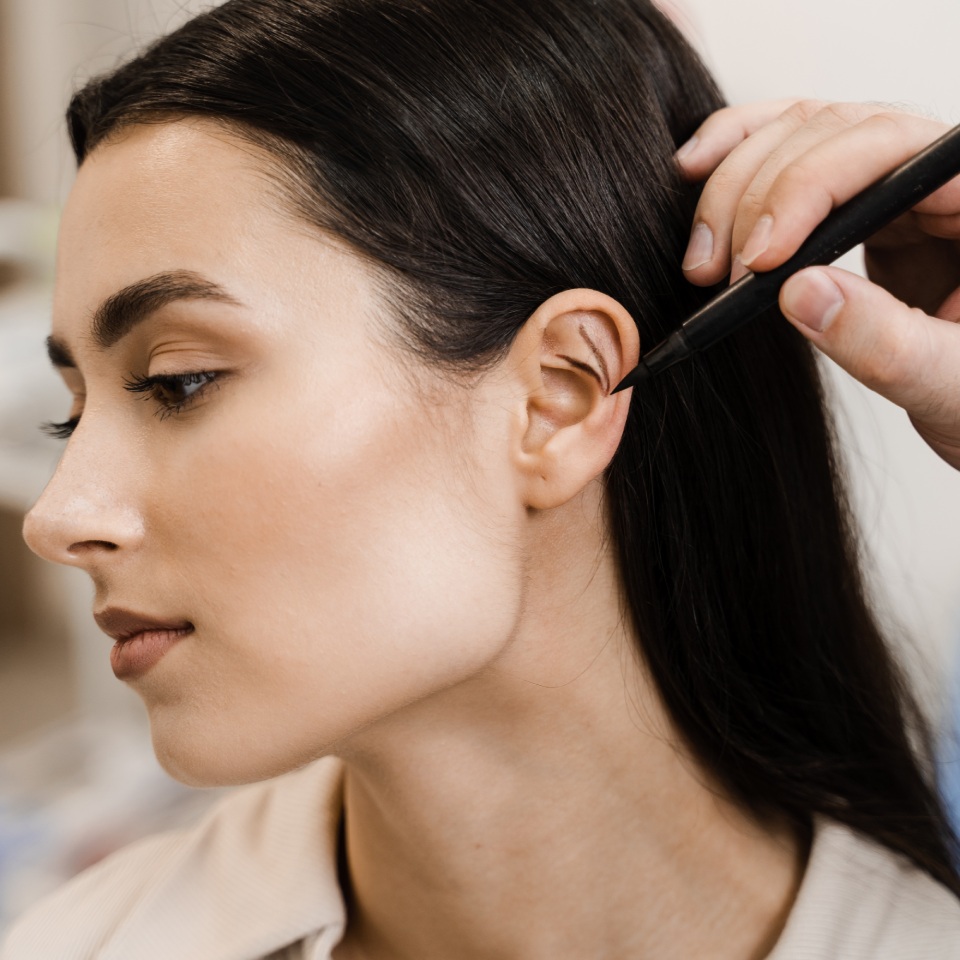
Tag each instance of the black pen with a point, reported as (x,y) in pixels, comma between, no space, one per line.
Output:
(851,223)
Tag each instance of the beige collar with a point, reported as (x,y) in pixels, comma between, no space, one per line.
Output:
(257,878)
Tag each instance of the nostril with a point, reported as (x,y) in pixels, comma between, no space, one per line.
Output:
(83,545)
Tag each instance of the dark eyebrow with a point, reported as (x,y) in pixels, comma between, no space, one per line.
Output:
(59,353)
(123,310)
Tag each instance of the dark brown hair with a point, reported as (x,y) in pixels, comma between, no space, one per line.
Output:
(487,154)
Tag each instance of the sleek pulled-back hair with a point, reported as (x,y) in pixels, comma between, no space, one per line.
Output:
(487,154)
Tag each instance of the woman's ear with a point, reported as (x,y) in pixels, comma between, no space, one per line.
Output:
(568,356)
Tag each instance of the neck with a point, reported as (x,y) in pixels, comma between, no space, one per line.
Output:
(545,809)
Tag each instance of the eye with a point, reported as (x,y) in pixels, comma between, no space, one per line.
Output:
(60,431)
(171,391)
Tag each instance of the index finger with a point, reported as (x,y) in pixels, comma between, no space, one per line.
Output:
(830,173)
(717,136)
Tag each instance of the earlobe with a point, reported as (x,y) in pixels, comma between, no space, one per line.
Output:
(570,354)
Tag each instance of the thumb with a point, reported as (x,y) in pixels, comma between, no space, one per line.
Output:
(898,351)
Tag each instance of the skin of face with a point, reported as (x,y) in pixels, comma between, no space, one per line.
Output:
(348,535)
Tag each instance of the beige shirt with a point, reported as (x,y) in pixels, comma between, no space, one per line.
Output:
(257,879)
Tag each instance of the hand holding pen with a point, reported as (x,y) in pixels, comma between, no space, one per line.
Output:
(775,171)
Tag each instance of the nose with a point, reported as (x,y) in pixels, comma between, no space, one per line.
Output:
(83,517)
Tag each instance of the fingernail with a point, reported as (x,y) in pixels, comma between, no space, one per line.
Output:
(811,298)
(758,241)
(688,148)
(738,270)
(700,250)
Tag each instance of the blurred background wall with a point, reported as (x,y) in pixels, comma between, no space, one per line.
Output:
(77,776)
(47,47)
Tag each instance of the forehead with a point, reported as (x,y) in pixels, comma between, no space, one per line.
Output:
(157,180)
(189,196)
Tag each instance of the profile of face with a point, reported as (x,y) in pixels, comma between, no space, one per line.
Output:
(341,531)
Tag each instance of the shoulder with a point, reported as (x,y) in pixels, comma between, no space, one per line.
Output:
(256,873)
(861,901)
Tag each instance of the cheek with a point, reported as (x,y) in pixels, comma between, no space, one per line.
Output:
(336,572)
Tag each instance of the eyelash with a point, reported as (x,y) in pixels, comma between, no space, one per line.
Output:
(149,388)
(60,431)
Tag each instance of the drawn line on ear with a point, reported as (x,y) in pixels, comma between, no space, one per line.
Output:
(605,383)
(580,365)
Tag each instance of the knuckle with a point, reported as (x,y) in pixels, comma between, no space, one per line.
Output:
(805,110)
(798,177)
(888,124)
(749,208)
(801,182)
(723,184)
(893,360)
(725,176)
(842,114)
(796,185)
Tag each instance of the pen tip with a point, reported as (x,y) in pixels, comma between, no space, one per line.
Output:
(635,376)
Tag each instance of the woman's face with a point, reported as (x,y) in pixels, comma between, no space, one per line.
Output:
(342,540)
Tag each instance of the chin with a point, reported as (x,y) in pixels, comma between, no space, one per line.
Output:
(213,758)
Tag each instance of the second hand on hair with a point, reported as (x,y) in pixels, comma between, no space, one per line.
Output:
(850,224)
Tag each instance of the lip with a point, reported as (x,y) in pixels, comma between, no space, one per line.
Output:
(141,640)
(124,624)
